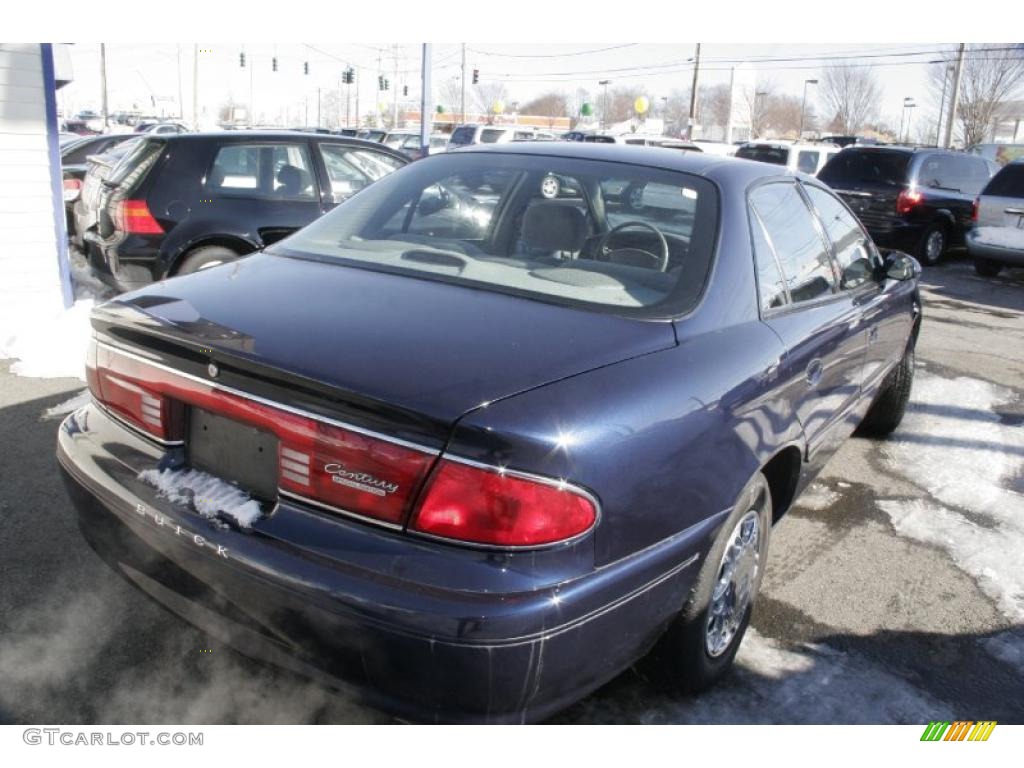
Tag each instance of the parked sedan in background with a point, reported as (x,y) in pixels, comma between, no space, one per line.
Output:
(177,204)
(476,466)
(997,238)
(919,200)
(74,164)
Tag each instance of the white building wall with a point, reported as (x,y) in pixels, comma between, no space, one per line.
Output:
(29,240)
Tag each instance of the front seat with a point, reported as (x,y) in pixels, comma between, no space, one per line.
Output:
(554,227)
(290,179)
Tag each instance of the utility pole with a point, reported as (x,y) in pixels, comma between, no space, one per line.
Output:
(252,105)
(693,94)
(426,107)
(103,82)
(394,86)
(318,106)
(181,102)
(195,87)
(955,99)
(462,110)
(358,116)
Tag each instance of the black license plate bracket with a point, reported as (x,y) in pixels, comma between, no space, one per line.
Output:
(233,451)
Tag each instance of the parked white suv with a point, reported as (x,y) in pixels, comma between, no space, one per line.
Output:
(997,239)
(465,135)
(797,156)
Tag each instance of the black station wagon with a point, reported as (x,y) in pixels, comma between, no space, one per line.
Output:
(496,428)
(177,204)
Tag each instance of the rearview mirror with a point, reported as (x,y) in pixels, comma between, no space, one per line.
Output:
(899,266)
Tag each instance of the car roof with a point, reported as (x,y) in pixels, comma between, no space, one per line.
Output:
(712,166)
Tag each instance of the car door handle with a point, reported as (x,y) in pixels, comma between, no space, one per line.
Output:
(872,334)
(815,369)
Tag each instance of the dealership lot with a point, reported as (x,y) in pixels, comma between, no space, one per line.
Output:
(894,592)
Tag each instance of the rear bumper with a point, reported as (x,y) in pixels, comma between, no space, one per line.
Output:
(427,631)
(981,250)
(125,262)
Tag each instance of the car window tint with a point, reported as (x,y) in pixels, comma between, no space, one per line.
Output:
(937,172)
(1009,182)
(350,169)
(807,161)
(771,285)
(272,171)
(848,240)
(866,166)
(790,227)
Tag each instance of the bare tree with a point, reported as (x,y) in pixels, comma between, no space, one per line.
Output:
(485,95)
(449,95)
(852,95)
(992,75)
(550,105)
(715,104)
(676,112)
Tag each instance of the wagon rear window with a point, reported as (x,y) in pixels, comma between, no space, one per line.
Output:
(613,235)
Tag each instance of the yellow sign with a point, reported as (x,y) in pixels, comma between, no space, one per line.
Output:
(641,104)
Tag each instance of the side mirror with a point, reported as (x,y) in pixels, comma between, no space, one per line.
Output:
(897,265)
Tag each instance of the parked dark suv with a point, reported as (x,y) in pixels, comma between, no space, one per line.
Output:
(177,204)
(916,200)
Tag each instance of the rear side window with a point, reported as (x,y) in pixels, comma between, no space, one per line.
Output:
(1009,182)
(858,166)
(491,135)
(807,161)
(270,171)
(789,225)
(771,286)
(462,136)
(350,169)
(848,239)
(938,172)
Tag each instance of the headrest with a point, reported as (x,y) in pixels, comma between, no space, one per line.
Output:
(554,227)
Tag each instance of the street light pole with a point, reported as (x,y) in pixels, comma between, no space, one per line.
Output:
(103,82)
(604,112)
(462,110)
(954,101)
(803,107)
(693,94)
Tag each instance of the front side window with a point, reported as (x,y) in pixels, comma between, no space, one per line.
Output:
(848,239)
(462,136)
(271,171)
(807,161)
(635,239)
(1009,182)
(351,169)
(790,227)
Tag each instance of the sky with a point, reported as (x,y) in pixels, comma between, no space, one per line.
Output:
(139,74)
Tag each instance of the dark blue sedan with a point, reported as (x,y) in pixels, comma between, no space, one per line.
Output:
(499,426)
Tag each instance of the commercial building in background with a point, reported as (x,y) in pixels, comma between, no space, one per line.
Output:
(33,241)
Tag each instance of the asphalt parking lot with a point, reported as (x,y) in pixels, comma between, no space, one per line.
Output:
(894,590)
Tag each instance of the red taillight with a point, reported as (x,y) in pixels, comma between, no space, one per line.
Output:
(133,217)
(974,210)
(482,506)
(72,189)
(322,462)
(907,200)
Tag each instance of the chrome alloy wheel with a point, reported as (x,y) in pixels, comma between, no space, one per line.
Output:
(933,246)
(736,583)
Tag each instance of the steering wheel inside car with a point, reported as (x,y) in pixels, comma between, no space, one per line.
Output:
(603,250)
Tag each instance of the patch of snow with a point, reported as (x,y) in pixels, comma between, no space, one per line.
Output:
(208,495)
(1003,237)
(69,405)
(778,683)
(993,556)
(817,497)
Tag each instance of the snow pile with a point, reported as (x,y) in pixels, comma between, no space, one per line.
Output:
(208,495)
(1003,237)
(817,497)
(48,341)
(71,404)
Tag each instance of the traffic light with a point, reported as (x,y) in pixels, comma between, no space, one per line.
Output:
(380,82)
(273,63)
(305,67)
(476,76)
(405,90)
(387,84)
(348,76)
(241,59)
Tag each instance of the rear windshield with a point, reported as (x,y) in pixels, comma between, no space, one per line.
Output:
(132,166)
(773,155)
(1009,182)
(858,166)
(531,225)
(462,136)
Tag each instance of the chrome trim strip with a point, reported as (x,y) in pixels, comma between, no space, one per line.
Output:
(338,510)
(274,404)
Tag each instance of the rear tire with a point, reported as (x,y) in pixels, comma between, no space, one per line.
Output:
(890,403)
(987,267)
(699,646)
(933,245)
(204,257)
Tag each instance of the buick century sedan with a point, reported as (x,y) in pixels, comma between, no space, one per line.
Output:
(498,427)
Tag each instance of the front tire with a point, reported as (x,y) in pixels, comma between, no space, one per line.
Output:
(699,646)
(890,403)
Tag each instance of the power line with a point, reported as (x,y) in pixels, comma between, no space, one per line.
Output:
(551,55)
